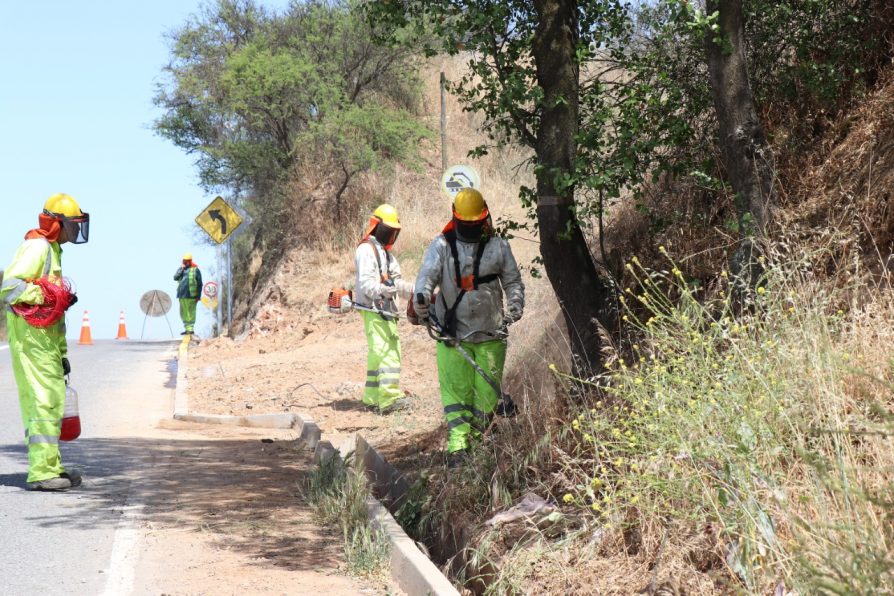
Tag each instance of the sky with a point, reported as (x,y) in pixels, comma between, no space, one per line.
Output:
(76,87)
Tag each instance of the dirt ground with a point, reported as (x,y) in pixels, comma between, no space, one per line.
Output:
(317,366)
(236,522)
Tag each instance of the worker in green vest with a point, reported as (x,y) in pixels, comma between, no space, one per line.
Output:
(473,269)
(36,298)
(189,290)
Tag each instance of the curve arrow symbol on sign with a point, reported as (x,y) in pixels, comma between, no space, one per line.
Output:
(215,214)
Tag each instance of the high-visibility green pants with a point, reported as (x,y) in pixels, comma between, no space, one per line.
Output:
(188,313)
(468,399)
(37,366)
(382,361)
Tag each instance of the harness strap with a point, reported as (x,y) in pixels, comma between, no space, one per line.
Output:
(384,274)
(450,311)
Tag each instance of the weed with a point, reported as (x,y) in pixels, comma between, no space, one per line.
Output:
(758,424)
(338,494)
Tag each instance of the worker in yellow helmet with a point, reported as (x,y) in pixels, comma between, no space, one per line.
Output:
(376,288)
(473,269)
(36,298)
(189,290)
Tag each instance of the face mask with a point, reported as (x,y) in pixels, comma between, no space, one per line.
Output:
(386,235)
(469,231)
(77,228)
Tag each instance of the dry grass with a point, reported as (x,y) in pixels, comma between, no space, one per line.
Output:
(423,209)
(827,530)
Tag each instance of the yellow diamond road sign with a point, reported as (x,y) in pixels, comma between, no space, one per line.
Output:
(219,220)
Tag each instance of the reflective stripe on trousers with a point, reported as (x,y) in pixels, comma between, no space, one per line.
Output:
(382,361)
(37,366)
(468,400)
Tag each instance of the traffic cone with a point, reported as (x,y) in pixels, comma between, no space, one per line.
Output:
(122,330)
(86,339)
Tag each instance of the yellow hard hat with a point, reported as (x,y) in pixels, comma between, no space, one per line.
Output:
(62,204)
(387,214)
(187,256)
(469,205)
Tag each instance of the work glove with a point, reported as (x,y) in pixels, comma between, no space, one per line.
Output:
(421,308)
(66,367)
(389,292)
(513,314)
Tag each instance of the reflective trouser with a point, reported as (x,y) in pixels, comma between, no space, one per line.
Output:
(37,366)
(382,361)
(188,313)
(468,399)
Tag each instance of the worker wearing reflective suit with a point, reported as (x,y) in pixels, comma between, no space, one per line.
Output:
(473,269)
(189,290)
(377,286)
(39,354)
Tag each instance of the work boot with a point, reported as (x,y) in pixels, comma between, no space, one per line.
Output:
(59,483)
(399,404)
(506,407)
(456,459)
(73,476)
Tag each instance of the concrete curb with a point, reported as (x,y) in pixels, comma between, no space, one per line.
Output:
(387,483)
(181,399)
(308,430)
(413,572)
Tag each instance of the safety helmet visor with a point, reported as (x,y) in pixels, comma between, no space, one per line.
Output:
(77,228)
(386,234)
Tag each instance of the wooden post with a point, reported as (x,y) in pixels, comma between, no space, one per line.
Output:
(443,123)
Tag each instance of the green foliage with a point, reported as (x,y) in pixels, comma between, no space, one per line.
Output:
(763,425)
(257,96)
(646,107)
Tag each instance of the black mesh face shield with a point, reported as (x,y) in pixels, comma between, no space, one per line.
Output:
(385,234)
(77,228)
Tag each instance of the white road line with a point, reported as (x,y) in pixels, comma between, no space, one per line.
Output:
(4,347)
(124,550)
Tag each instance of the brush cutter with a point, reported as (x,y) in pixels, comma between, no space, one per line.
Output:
(341,301)
(505,407)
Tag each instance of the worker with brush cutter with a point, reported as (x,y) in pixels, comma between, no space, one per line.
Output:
(375,297)
(472,268)
(36,297)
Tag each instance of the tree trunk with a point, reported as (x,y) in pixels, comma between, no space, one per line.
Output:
(744,147)
(569,266)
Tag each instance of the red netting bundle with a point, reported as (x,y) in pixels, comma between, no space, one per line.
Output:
(57,297)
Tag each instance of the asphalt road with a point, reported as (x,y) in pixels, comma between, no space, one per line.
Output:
(79,542)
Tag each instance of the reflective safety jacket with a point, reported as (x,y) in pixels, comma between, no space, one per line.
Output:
(34,259)
(479,314)
(374,265)
(190,285)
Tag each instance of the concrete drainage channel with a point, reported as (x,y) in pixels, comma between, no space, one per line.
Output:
(413,572)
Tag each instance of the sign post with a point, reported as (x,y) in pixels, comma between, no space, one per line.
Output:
(220,221)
